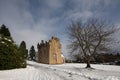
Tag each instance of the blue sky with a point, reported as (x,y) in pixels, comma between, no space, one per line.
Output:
(36,20)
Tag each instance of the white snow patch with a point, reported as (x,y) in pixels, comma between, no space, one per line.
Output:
(3,42)
(112,78)
(62,55)
(9,40)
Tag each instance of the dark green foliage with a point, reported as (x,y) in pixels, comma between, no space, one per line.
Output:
(23,53)
(106,58)
(4,31)
(32,53)
(11,56)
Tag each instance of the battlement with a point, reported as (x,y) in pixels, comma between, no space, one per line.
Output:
(47,43)
(50,52)
(55,38)
(44,43)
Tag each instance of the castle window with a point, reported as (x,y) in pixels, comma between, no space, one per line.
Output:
(54,56)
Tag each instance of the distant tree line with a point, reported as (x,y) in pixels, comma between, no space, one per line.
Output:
(104,58)
(99,58)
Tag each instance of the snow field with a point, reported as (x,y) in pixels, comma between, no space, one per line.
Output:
(71,71)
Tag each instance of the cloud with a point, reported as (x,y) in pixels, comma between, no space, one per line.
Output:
(20,21)
(54,4)
(34,20)
(110,2)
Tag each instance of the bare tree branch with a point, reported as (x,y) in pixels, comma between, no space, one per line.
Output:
(90,38)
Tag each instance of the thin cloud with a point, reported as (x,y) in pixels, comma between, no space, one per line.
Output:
(34,20)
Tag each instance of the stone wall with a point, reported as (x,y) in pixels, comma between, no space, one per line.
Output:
(50,52)
(43,50)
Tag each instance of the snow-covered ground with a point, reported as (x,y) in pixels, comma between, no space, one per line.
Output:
(72,71)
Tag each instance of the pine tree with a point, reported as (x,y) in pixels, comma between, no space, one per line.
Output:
(4,31)
(10,54)
(23,49)
(23,53)
(32,53)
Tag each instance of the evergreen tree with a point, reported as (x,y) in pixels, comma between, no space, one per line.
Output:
(23,49)
(23,53)
(10,54)
(4,31)
(32,53)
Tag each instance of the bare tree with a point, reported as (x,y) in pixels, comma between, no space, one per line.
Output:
(90,37)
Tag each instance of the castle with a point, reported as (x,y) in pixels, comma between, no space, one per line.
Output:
(50,52)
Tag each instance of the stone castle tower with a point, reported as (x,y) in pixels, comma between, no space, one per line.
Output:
(50,52)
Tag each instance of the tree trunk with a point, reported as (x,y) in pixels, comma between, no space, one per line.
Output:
(87,61)
(88,64)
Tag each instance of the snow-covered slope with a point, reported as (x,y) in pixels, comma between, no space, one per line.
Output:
(37,71)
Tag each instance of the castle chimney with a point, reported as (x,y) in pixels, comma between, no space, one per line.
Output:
(38,45)
(42,41)
(52,37)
